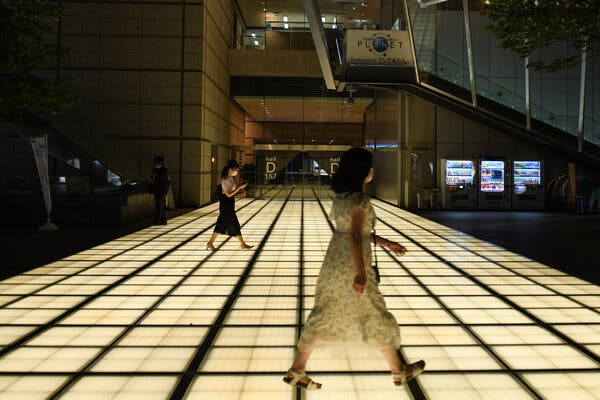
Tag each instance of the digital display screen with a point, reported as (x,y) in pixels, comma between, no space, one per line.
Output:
(527,173)
(492,176)
(460,172)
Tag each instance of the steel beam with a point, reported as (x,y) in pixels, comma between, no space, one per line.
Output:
(581,118)
(527,95)
(467,15)
(318,34)
(412,41)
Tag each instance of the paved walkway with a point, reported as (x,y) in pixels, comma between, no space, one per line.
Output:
(153,315)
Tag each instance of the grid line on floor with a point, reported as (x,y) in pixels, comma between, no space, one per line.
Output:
(162,314)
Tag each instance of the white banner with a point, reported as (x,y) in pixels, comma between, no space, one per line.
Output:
(378,48)
(40,152)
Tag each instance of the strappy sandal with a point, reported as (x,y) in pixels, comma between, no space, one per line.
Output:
(409,372)
(295,380)
(210,247)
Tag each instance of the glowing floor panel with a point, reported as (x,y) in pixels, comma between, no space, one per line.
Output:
(153,315)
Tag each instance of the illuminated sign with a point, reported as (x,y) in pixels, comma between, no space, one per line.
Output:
(378,47)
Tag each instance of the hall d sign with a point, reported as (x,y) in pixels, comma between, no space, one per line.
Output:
(378,48)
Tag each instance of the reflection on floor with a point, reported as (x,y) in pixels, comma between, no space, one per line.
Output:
(153,315)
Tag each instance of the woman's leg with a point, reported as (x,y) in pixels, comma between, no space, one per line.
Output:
(243,244)
(302,356)
(391,356)
(300,360)
(401,373)
(212,239)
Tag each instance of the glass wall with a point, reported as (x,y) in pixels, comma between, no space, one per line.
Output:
(499,73)
(555,95)
(441,50)
(440,46)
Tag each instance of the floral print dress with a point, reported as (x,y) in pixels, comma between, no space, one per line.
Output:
(340,315)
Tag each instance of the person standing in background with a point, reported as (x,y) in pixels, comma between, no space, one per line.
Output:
(159,187)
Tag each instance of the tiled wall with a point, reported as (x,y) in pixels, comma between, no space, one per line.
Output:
(153,79)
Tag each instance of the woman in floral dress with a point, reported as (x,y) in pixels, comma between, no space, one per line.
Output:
(348,304)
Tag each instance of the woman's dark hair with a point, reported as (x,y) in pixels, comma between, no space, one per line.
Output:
(354,168)
(230,165)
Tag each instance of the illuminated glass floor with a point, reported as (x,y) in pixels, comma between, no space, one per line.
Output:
(153,315)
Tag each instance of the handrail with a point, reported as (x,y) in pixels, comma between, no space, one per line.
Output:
(421,21)
(538,109)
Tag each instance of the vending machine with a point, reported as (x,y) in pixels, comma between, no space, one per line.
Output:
(459,190)
(494,184)
(528,191)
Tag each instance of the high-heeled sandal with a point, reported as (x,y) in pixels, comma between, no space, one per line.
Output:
(409,372)
(210,247)
(295,380)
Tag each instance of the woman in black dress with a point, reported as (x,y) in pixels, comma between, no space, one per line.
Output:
(228,223)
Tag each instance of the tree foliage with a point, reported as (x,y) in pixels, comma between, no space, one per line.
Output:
(28,50)
(528,25)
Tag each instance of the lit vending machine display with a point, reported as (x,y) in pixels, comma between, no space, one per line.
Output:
(459,187)
(528,193)
(493,185)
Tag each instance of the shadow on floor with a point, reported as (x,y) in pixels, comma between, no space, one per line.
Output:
(27,248)
(567,242)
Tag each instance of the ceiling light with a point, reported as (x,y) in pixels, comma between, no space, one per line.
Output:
(323,19)
(256,42)
(264,9)
(253,34)
(286,26)
(285,18)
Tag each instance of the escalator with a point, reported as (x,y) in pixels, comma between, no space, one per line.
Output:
(84,189)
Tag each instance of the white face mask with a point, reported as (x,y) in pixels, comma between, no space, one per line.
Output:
(234,173)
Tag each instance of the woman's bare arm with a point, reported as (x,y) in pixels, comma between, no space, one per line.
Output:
(357,220)
(393,246)
(233,192)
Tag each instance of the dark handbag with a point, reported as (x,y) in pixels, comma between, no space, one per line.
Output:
(375,267)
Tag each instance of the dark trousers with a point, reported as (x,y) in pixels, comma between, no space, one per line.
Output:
(159,210)
(227,223)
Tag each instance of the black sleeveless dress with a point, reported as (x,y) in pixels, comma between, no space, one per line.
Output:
(227,223)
